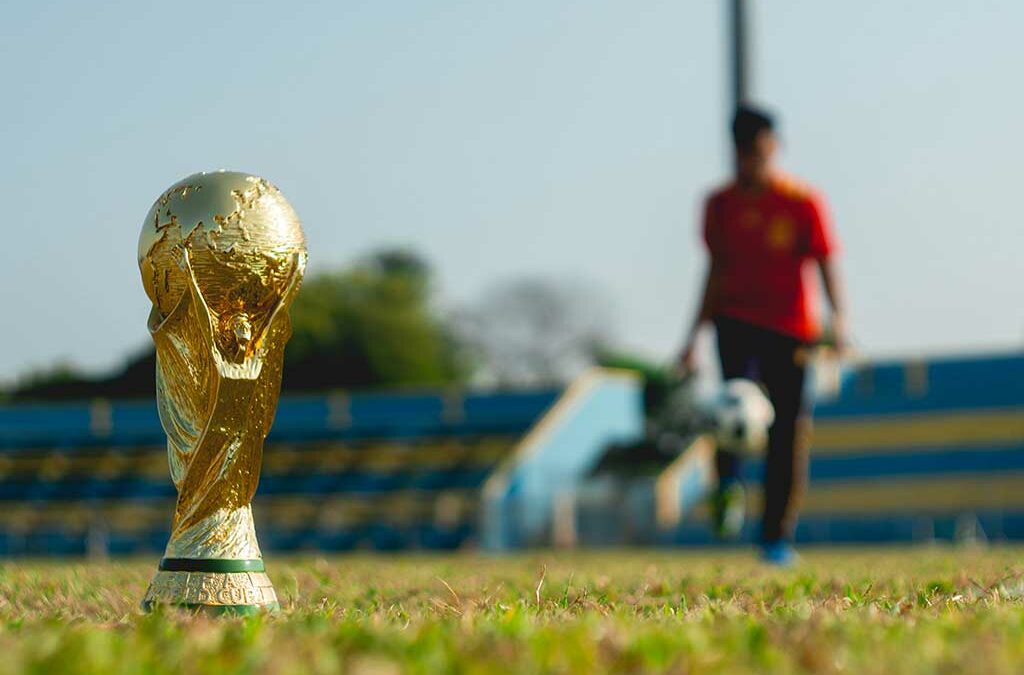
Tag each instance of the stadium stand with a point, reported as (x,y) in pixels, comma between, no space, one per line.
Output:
(382,471)
(915,450)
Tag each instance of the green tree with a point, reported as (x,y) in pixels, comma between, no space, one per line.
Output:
(370,325)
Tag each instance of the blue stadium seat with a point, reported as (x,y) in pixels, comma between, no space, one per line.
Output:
(338,540)
(387,537)
(55,542)
(435,537)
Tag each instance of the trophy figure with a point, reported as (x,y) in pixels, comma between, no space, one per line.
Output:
(222,256)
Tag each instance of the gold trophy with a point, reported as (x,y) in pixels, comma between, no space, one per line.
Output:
(222,256)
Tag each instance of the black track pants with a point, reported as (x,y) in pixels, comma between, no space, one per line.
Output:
(776,361)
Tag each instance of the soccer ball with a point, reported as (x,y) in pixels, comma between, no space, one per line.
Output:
(740,415)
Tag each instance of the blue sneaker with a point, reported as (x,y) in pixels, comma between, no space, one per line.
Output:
(779,554)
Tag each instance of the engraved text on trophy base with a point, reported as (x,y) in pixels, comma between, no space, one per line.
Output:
(211,588)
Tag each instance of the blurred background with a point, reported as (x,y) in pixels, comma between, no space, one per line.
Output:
(497,196)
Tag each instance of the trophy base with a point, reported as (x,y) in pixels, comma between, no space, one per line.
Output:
(212,586)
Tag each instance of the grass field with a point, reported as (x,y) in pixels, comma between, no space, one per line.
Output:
(844,610)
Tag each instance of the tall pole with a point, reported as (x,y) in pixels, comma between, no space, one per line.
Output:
(740,63)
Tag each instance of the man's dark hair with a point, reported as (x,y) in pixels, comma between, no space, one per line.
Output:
(747,123)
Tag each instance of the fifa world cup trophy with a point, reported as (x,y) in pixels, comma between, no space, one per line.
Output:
(222,256)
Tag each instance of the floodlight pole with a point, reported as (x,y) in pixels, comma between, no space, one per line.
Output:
(739,51)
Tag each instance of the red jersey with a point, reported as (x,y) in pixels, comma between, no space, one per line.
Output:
(763,244)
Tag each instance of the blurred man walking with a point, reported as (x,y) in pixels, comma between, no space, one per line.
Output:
(765,235)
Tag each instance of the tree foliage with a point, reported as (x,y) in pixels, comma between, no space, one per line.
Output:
(533,331)
(371,324)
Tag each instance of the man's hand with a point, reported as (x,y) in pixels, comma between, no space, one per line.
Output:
(836,293)
(687,359)
(840,336)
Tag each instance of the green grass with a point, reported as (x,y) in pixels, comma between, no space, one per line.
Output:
(843,611)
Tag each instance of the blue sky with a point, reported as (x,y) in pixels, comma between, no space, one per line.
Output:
(551,137)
